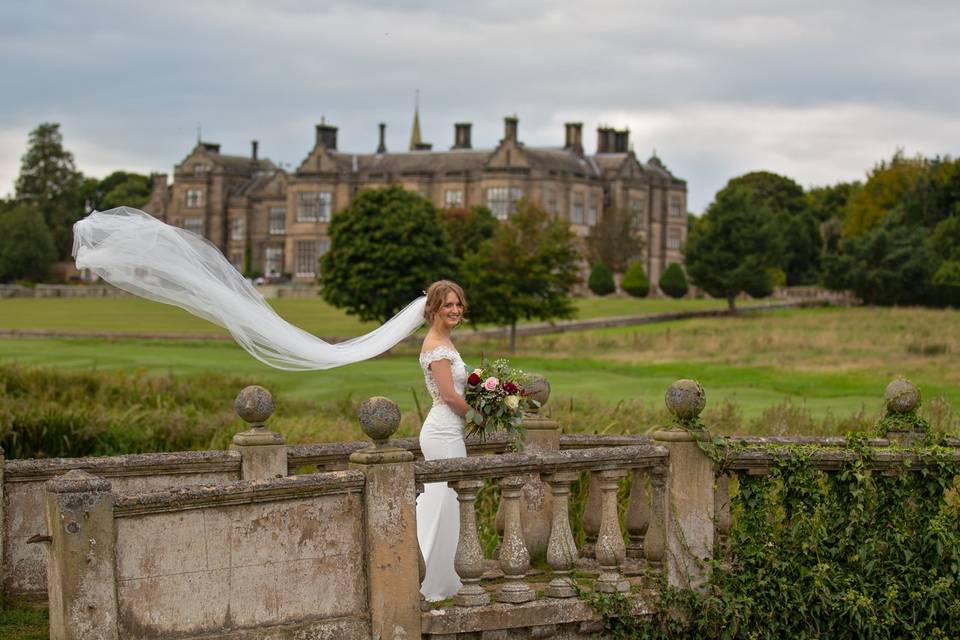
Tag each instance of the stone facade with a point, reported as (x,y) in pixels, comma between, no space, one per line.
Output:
(269,220)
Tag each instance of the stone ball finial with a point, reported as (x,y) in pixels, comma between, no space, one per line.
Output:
(379,418)
(901,396)
(685,399)
(254,405)
(538,389)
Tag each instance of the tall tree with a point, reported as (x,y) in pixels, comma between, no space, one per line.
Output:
(120,188)
(730,250)
(26,246)
(385,249)
(613,241)
(886,185)
(790,222)
(467,229)
(50,182)
(525,271)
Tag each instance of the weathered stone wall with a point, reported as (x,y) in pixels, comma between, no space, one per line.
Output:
(280,557)
(24,564)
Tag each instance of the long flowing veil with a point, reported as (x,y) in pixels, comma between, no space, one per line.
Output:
(135,252)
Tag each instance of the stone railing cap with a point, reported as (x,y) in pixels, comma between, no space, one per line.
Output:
(78,481)
(901,396)
(254,404)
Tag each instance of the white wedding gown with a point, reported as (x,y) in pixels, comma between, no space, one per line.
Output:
(438,513)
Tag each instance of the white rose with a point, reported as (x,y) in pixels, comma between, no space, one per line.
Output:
(479,372)
(512,402)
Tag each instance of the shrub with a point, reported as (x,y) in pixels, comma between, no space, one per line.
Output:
(635,281)
(673,282)
(601,280)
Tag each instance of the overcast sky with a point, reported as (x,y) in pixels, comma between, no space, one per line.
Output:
(819,91)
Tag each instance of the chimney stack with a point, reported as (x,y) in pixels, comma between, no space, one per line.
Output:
(382,147)
(621,141)
(574,137)
(253,150)
(510,128)
(326,136)
(461,135)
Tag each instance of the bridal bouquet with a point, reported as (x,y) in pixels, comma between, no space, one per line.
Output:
(495,393)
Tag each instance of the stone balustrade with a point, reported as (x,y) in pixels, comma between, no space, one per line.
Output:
(230,544)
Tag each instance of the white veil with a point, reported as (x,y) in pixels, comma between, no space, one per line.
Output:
(137,253)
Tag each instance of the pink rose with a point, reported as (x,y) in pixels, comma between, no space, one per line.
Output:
(490,384)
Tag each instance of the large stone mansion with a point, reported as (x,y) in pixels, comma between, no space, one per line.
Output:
(276,221)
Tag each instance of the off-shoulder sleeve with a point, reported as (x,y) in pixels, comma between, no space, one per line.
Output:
(438,353)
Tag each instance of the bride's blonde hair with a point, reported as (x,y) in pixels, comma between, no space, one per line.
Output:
(437,295)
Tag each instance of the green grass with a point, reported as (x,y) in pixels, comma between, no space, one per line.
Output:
(135,315)
(23,621)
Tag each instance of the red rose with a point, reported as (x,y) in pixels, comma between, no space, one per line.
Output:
(474,379)
(509,387)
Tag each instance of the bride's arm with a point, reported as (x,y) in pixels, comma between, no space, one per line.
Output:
(443,374)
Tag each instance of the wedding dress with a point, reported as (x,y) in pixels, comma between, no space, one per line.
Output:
(438,512)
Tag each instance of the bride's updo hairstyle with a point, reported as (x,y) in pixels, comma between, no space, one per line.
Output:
(437,294)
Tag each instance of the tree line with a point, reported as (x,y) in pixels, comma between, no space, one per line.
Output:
(50,195)
(892,239)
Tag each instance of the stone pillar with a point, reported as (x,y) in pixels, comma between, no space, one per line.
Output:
(81,566)
(900,422)
(637,518)
(690,500)
(3,519)
(610,550)
(390,525)
(263,452)
(468,562)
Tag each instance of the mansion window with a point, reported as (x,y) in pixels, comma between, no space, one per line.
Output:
(194,224)
(237,229)
(194,198)
(675,209)
(278,221)
(452,198)
(200,169)
(273,261)
(502,201)
(306,257)
(636,213)
(550,201)
(314,206)
(673,238)
(576,210)
(592,210)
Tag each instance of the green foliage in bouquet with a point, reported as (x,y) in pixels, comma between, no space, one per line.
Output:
(495,393)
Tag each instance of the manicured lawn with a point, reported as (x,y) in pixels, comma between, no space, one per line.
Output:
(135,315)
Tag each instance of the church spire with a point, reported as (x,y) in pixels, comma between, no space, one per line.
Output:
(415,140)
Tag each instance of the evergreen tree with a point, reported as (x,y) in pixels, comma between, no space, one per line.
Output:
(601,280)
(730,250)
(385,249)
(50,183)
(26,246)
(524,272)
(673,282)
(635,281)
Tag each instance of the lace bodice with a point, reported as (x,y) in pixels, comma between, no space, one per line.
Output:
(457,366)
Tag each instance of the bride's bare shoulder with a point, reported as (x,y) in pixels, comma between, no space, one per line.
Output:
(430,344)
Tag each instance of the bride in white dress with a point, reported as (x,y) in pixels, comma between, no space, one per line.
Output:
(438,515)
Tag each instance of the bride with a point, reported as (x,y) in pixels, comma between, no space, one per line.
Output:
(438,524)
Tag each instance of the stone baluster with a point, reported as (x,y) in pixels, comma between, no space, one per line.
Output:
(514,558)
(590,520)
(468,561)
(262,451)
(562,548)
(655,544)
(721,509)
(390,524)
(610,550)
(637,519)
